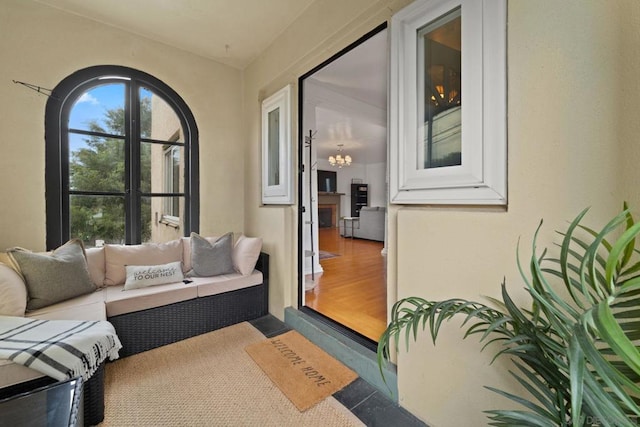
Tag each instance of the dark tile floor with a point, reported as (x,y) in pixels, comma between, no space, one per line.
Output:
(363,400)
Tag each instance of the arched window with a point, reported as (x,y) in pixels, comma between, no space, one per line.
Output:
(121,159)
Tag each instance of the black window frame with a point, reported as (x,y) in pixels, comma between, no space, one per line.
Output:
(57,113)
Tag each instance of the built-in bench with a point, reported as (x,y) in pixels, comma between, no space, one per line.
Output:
(149,317)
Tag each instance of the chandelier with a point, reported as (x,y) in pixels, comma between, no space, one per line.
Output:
(340,160)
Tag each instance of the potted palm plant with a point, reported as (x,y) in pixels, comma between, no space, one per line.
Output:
(575,351)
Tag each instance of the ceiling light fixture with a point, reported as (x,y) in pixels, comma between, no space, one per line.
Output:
(340,160)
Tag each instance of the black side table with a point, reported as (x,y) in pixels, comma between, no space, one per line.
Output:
(54,405)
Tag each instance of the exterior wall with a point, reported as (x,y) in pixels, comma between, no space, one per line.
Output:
(41,45)
(573,69)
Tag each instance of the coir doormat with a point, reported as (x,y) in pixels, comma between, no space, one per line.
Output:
(301,370)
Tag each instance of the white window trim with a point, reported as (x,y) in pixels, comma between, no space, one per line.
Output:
(283,192)
(482,177)
(167,158)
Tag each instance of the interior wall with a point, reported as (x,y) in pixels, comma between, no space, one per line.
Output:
(376,177)
(42,45)
(568,133)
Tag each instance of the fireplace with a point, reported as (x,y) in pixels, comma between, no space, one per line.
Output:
(328,209)
(325,216)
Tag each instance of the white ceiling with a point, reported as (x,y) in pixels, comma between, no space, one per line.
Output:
(233,32)
(353,88)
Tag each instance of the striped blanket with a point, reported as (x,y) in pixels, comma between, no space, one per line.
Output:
(61,349)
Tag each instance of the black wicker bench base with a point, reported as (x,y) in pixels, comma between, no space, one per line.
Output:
(93,395)
(147,329)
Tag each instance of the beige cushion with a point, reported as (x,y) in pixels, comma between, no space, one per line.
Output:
(120,301)
(245,254)
(54,277)
(13,373)
(225,283)
(95,311)
(6,259)
(95,263)
(141,276)
(186,247)
(118,256)
(13,292)
(69,309)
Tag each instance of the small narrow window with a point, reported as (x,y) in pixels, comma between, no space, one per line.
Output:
(440,100)
(277,180)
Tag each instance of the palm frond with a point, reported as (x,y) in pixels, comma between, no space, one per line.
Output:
(578,358)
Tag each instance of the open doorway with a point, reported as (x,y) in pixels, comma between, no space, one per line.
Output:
(343,188)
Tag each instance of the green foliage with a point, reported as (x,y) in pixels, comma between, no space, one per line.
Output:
(576,356)
(100,167)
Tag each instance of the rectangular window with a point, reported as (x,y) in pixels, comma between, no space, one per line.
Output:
(448,103)
(273,146)
(440,99)
(277,180)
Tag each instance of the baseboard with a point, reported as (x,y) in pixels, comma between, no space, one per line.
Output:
(354,355)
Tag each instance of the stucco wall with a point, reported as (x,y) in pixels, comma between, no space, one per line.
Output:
(41,45)
(571,145)
(566,66)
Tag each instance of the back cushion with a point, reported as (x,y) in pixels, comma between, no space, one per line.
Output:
(13,292)
(119,256)
(245,254)
(95,263)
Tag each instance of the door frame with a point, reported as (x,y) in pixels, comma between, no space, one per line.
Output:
(354,335)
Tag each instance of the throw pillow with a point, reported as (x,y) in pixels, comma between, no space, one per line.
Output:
(56,276)
(118,256)
(141,276)
(186,256)
(211,259)
(245,254)
(13,292)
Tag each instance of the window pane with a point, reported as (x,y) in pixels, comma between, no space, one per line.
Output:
(274,147)
(146,161)
(97,220)
(96,163)
(100,109)
(162,168)
(158,224)
(439,62)
(159,120)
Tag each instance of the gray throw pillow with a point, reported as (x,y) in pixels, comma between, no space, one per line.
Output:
(211,259)
(55,277)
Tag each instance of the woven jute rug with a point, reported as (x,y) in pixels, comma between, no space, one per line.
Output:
(304,373)
(208,380)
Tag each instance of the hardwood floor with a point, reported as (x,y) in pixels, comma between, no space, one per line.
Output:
(352,290)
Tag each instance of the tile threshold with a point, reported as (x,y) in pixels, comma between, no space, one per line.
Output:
(366,402)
